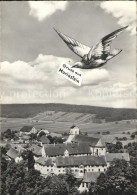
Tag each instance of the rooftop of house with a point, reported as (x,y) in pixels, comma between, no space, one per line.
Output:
(111,156)
(17,147)
(108,139)
(45,161)
(73,148)
(36,149)
(80,160)
(90,177)
(26,128)
(85,139)
(44,130)
(12,153)
(44,139)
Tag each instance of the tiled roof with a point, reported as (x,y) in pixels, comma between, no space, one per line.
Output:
(90,177)
(36,150)
(73,148)
(26,128)
(108,139)
(12,153)
(80,160)
(85,139)
(45,161)
(18,147)
(44,139)
(111,156)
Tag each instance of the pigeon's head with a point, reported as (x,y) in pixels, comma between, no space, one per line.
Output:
(77,65)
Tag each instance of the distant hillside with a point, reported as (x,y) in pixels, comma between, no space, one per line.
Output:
(31,110)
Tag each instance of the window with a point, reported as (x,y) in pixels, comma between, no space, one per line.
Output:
(89,170)
(47,169)
(87,185)
(99,170)
(81,171)
(83,185)
(59,170)
(104,169)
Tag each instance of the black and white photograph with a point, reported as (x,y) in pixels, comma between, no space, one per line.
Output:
(68,98)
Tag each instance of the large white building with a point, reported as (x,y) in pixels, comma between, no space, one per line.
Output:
(86,168)
(74,149)
(78,165)
(84,156)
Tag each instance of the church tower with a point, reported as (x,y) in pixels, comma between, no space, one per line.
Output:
(74,130)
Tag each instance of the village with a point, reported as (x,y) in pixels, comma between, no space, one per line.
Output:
(82,155)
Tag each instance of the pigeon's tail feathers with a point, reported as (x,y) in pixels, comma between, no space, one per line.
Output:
(114,53)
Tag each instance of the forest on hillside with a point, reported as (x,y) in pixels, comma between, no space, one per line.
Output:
(31,110)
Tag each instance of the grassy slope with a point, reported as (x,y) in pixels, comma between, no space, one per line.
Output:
(31,110)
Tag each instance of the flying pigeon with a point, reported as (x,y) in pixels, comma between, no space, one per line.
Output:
(97,55)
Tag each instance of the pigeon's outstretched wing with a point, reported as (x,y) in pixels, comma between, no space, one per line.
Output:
(77,47)
(102,49)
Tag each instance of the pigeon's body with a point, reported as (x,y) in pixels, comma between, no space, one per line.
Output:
(97,55)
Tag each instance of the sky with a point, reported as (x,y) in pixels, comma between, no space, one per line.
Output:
(32,52)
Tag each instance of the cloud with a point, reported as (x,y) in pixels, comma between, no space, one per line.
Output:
(38,82)
(50,64)
(43,9)
(95,76)
(112,94)
(124,11)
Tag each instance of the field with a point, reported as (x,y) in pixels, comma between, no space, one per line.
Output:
(43,110)
(60,127)
(63,117)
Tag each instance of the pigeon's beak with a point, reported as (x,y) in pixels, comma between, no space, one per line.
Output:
(75,66)
(72,66)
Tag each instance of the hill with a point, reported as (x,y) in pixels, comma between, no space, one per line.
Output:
(31,110)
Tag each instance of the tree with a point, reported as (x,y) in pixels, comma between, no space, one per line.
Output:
(29,158)
(119,179)
(115,148)
(55,139)
(33,136)
(133,135)
(132,149)
(41,134)
(56,185)
(9,134)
